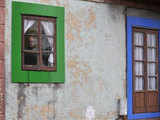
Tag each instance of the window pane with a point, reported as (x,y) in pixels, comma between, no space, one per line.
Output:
(30,59)
(151,54)
(139,68)
(138,38)
(31,43)
(139,83)
(152,83)
(47,28)
(151,69)
(138,52)
(48,59)
(151,40)
(47,44)
(30,27)
(39,47)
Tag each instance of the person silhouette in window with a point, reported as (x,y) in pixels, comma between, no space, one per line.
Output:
(29,57)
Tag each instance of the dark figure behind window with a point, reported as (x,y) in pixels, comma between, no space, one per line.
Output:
(31,58)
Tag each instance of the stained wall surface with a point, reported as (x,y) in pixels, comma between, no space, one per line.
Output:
(95,56)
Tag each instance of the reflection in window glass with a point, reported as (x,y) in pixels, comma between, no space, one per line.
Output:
(30,27)
(31,43)
(47,44)
(47,28)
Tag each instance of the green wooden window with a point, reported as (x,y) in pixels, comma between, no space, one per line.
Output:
(41,72)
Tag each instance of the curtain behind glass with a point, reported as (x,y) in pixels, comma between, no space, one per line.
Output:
(49,30)
(151,57)
(28,24)
(138,55)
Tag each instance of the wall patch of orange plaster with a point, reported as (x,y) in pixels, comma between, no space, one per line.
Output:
(91,19)
(70,36)
(45,1)
(75,24)
(75,113)
(79,69)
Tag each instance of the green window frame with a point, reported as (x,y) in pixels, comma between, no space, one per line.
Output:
(29,76)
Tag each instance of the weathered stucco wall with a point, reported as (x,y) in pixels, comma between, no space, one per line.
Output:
(95,67)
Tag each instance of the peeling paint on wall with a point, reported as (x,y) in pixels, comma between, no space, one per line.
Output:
(45,1)
(91,19)
(21,100)
(79,70)
(95,67)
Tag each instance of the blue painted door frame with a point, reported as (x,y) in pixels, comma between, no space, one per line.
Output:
(144,23)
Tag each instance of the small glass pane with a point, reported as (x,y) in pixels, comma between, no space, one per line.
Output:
(47,28)
(31,43)
(30,58)
(139,68)
(47,44)
(151,40)
(48,59)
(138,52)
(151,69)
(30,27)
(138,38)
(151,54)
(152,83)
(139,83)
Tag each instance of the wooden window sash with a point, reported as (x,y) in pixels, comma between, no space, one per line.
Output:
(144,31)
(145,63)
(39,52)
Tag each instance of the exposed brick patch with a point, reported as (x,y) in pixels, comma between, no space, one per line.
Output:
(2,3)
(2,91)
(1,51)
(1,33)
(2,15)
(2,116)
(2,69)
(1,103)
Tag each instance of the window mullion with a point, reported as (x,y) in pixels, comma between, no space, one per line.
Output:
(54,43)
(157,62)
(145,71)
(39,44)
(145,62)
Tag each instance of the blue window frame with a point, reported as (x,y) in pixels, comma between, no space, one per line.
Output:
(144,23)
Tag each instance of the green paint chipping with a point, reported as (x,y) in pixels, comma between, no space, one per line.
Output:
(19,76)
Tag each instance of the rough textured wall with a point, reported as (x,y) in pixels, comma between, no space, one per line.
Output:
(95,67)
(2,75)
